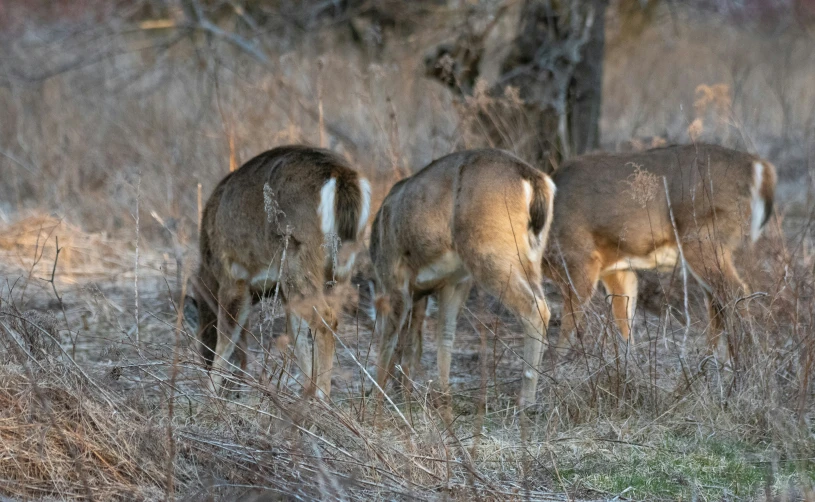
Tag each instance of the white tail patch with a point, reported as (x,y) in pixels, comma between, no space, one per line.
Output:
(534,240)
(326,211)
(365,211)
(551,184)
(527,192)
(757,203)
(550,210)
(535,251)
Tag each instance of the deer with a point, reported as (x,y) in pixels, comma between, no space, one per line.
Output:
(477,217)
(288,222)
(619,213)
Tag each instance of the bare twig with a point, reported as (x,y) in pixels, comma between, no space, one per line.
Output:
(684,270)
(368,375)
(136,264)
(54,269)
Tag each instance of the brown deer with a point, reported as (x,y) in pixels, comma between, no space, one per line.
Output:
(479,216)
(614,215)
(289,222)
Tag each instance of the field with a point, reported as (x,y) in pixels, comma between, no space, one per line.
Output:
(112,135)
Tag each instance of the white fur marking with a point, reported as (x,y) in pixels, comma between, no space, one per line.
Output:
(328,220)
(550,212)
(535,252)
(756,202)
(701,282)
(365,212)
(243,315)
(238,272)
(527,192)
(266,278)
(521,279)
(536,246)
(448,265)
(663,257)
(344,269)
(371,310)
(551,185)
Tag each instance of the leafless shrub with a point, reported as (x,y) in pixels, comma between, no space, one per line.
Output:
(70,443)
(180,109)
(643,186)
(30,334)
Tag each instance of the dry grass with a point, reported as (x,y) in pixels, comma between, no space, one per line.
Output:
(61,439)
(107,417)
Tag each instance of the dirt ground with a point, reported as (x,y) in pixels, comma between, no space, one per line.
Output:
(588,399)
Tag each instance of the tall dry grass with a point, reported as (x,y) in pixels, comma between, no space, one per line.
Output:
(119,410)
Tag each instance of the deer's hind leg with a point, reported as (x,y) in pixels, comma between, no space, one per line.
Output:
(324,323)
(234,302)
(578,277)
(451,299)
(518,285)
(299,338)
(207,332)
(317,359)
(391,317)
(525,299)
(712,265)
(204,289)
(304,291)
(621,285)
(409,347)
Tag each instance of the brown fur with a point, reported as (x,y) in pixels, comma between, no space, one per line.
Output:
(539,206)
(348,204)
(612,208)
(463,219)
(246,228)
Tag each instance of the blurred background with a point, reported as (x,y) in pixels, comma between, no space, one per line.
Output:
(118,118)
(99,97)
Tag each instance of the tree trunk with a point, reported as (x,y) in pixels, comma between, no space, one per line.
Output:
(586,89)
(545,105)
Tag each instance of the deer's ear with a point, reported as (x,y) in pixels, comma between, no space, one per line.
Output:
(191,312)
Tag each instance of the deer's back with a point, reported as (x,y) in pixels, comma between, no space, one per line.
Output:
(620,199)
(272,195)
(426,215)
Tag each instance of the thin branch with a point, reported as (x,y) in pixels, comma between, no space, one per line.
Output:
(31,169)
(684,269)
(136,265)
(365,371)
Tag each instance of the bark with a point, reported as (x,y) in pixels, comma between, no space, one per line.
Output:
(555,67)
(586,89)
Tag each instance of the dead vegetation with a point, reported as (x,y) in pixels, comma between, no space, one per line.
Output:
(118,409)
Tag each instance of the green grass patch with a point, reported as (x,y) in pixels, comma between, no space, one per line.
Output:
(686,469)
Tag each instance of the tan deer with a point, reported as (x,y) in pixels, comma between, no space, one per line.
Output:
(613,217)
(480,217)
(288,221)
